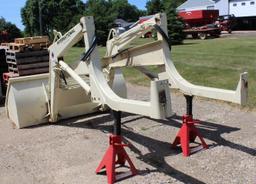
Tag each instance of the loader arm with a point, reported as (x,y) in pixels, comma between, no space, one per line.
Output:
(56,53)
(98,88)
(159,54)
(118,42)
(52,99)
(32,99)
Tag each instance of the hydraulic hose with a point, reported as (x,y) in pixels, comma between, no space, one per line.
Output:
(164,35)
(87,54)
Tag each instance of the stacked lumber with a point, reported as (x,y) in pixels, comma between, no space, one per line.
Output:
(27,63)
(28,56)
(30,43)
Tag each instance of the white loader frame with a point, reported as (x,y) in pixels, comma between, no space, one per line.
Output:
(42,98)
(159,53)
(98,87)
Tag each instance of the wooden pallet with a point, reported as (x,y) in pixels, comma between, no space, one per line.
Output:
(28,71)
(32,40)
(27,63)
(29,60)
(16,47)
(4,45)
(28,66)
(25,48)
(16,55)
(38,46)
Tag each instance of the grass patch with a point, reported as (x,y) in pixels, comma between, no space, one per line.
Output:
(213,62)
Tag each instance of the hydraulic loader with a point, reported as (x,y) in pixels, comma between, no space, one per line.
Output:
(92,84)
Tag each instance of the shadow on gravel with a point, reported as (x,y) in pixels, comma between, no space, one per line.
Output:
(158,150)
(213,132)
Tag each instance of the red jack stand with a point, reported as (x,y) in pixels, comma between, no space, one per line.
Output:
(116,150)
(188,131)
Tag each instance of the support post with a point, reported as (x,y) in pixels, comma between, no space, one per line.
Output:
(188,132)
(116,154)
(117,122)
(189,104)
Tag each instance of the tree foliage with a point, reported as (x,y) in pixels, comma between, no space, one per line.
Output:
(103,17)
(175,24)
(154,6)
(105,12)
(64,14)
(123,10)
(56,14)
(11,29)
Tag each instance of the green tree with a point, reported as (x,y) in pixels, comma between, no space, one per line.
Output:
(11,29)
(154,6)
(64,14)
(106,11)
(122,9)
(55,14)
(175,24)
(103,17)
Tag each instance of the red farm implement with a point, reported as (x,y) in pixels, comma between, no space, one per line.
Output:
(201,23)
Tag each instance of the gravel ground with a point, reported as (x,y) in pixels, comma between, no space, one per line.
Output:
(69,151)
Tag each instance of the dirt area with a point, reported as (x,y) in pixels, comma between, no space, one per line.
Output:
(69,151)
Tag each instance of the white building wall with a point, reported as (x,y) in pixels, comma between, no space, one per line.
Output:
(243,8)
(223,7)
(227,7)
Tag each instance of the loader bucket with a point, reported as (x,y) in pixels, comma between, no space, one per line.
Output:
(26,100)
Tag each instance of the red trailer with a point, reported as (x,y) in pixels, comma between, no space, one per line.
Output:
(201,23)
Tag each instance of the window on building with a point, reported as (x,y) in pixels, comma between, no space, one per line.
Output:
(234,4)
(243,4)
(252,3)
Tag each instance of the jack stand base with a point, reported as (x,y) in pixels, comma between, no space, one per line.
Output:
(187,134)
(109,162)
